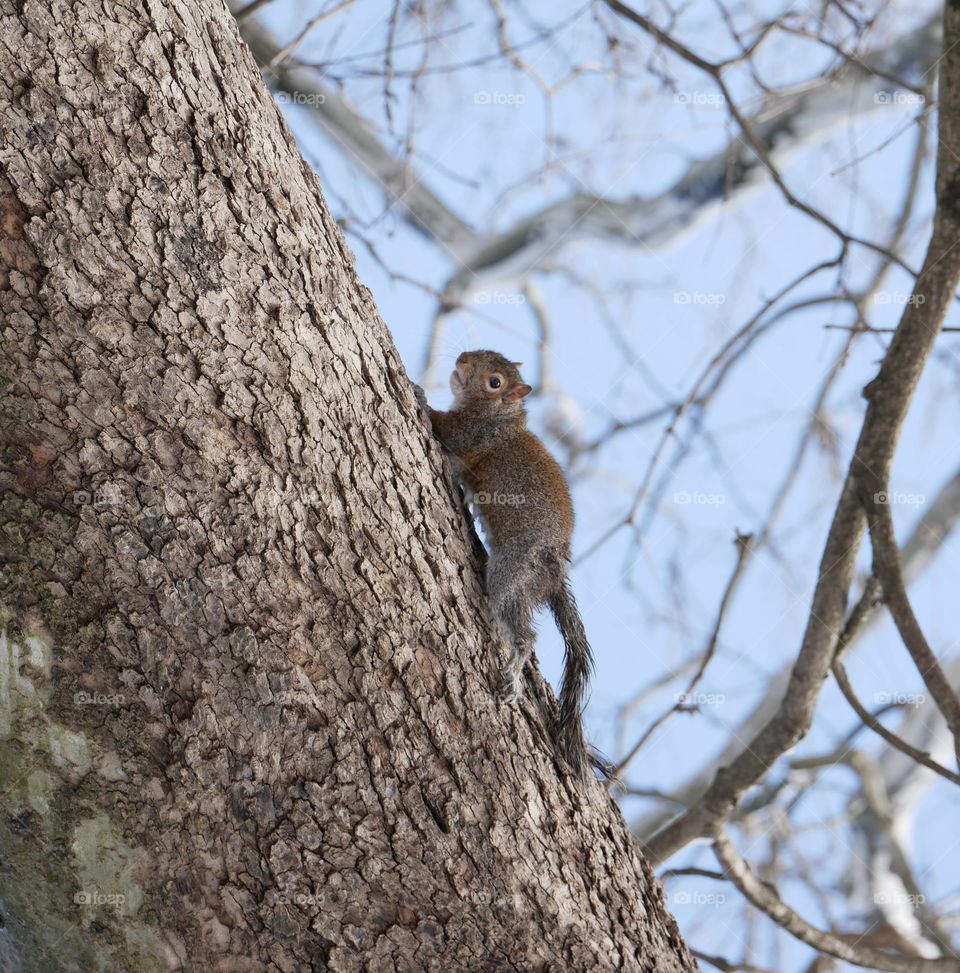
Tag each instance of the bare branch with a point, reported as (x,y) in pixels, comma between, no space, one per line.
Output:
(785,123)
(940,519)
(284,53)
(744,550)
(718,962)
(889,396)
(751,136)
(843,681)
(422,208)
(887,569)
(767,900)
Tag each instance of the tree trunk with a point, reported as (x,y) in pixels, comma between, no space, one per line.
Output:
(246,672)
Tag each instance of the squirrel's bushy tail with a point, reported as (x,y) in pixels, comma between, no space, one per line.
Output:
(577,666)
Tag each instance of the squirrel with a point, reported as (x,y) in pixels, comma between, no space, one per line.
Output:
(523,502)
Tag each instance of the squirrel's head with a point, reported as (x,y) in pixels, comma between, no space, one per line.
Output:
(486,381)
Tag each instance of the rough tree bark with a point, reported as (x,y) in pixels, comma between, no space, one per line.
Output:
(246,673)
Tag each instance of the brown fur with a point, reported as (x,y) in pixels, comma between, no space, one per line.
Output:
(521,496)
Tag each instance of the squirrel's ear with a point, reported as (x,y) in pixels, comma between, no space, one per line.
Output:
(518,393)
(517,364)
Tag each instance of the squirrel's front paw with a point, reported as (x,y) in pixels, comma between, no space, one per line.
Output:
(509,688)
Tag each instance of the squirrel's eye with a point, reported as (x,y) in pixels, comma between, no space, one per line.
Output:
(494,382)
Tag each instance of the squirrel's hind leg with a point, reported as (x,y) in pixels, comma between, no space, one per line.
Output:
(515,616)
(509,590)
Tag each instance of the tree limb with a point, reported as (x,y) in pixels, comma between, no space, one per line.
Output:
(767,900)
(887,569)
(889,396)
(785,123)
